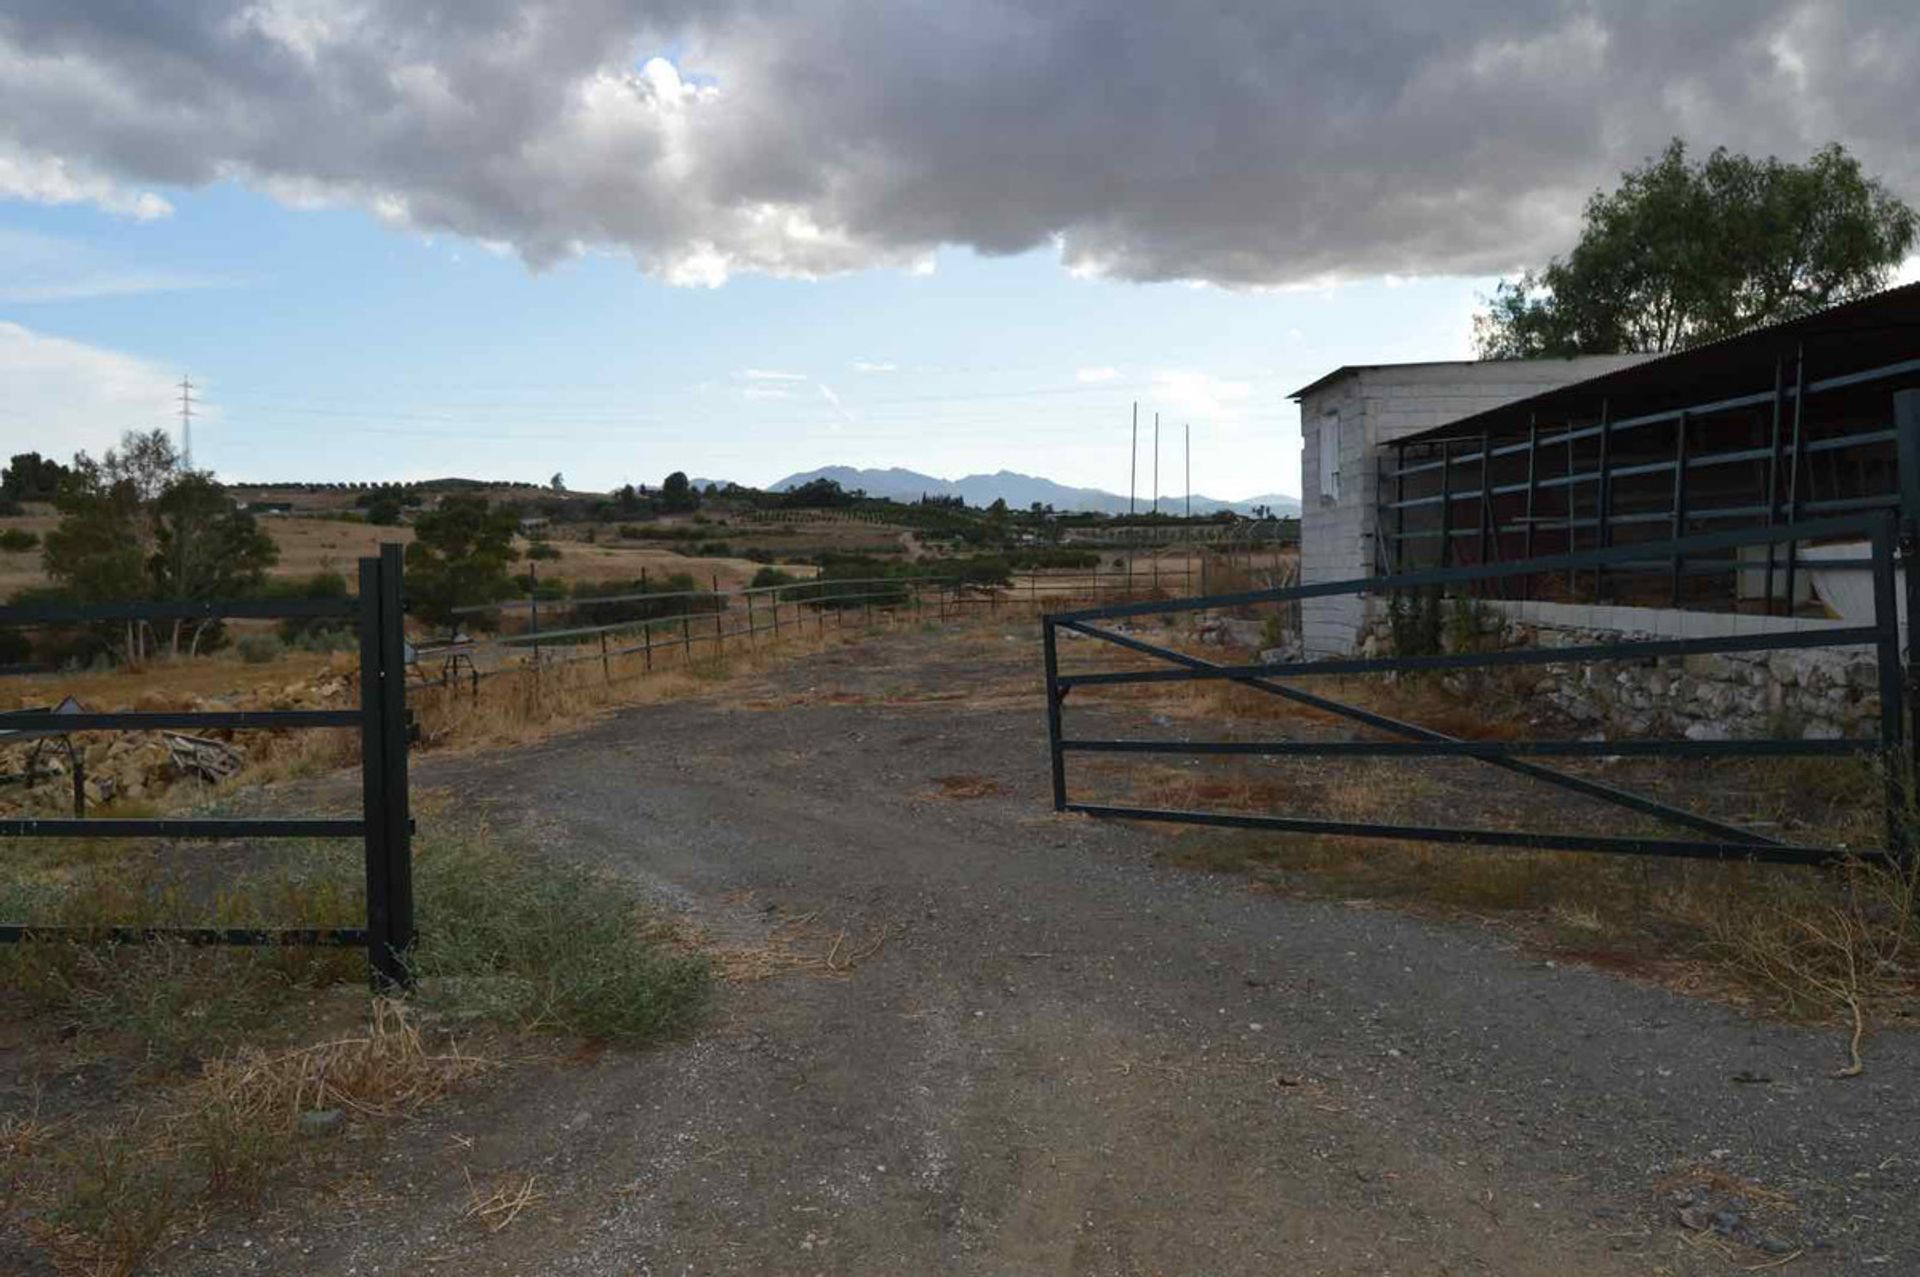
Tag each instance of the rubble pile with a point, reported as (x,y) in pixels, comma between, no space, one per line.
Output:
(36,775)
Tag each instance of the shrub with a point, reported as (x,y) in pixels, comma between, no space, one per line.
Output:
(301,631)
(543,550)
(1414,623)
(18,540)
(258,649)
(540,944)
(772,576)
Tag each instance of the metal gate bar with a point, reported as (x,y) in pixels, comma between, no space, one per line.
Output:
(1730,840)
(384,824)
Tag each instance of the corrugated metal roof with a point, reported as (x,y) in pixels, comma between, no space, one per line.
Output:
(1864,333)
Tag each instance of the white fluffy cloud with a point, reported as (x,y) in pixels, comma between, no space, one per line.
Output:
(63,396)
(1091,375)
(1248,142)
(1189,394)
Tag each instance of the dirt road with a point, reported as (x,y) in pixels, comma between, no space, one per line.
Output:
(1064,1059)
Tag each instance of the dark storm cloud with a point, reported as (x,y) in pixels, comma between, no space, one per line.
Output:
(1244,144)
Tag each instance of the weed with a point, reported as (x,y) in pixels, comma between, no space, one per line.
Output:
(545,945)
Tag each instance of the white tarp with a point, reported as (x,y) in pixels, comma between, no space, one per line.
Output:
(1848,591)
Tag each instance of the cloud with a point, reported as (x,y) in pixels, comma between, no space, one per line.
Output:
(766,392)
(63,395)
(1096,374)
(868,365)
(769,374)
(1186,394)
(826,393)
(47,179)
(1255,143)
(49,268)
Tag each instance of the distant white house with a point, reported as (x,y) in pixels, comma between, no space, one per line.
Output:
(1347,417)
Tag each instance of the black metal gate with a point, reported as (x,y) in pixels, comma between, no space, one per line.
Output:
(1882,529)
(384,825)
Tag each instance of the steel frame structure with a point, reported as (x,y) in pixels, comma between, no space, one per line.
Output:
(1450,482)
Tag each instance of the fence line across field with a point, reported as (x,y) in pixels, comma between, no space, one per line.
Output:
(775,610)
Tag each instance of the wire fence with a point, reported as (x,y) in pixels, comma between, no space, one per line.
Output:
(677,628)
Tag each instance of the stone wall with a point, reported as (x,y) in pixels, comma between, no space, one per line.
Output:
(1809,693)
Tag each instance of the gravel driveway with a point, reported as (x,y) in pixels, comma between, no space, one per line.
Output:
(1065,1058)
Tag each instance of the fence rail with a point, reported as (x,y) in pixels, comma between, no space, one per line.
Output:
(384,826)
(1886,535)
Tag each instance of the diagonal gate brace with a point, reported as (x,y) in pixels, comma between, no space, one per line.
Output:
(1591,788)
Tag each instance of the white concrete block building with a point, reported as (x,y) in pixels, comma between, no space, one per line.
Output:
(1346,417)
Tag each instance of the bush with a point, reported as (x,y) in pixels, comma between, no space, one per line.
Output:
(543,550)
(540,944)
(771,576)
(312,633)
(18,540)
(258,649)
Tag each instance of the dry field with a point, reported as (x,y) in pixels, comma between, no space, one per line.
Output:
(955,1033)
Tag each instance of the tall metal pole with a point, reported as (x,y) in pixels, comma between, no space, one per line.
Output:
(1189,430)
(1156,463)
(1133,458)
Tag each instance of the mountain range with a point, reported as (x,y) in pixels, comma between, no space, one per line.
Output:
(1020,491)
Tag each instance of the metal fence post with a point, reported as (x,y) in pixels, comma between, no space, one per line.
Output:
(397,722)
(1049,644)
(386,969)
(1886,618)
(1906,424)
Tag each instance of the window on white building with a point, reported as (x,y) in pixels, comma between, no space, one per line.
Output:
(1330,456)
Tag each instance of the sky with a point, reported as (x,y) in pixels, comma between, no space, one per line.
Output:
(611,239)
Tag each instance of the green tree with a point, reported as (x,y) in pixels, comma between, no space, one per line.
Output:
(459,556)
(1686,252)
(676,494)
(31,477)
(383,508)
(205,547)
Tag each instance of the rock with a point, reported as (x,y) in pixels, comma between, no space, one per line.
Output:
(318,1122)
(1773,1244)
(1707,729)
(1695,1217)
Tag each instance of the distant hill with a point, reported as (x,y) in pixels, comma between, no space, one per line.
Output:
(1019,491)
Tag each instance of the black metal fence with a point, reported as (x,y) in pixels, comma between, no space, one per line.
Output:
(1883,530)
(384,825)
(1802,448)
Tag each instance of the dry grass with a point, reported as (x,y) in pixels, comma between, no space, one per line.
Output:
(113,1191)
(510,1194)
(800,945)
(965,785)
(223,1068)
